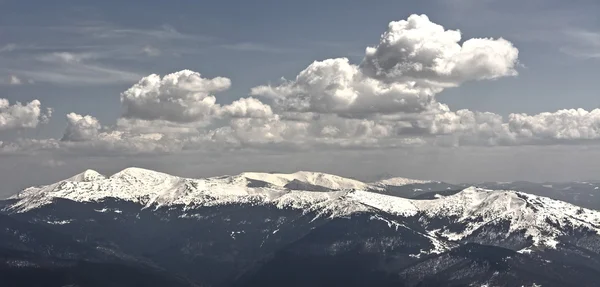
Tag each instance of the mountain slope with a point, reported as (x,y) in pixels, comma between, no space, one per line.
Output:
(36,255)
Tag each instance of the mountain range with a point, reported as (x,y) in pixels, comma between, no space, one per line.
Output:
(145,228)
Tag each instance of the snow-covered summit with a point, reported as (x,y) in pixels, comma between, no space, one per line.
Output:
(141,173)
(398,181)
(329,181)
(87,176)
(542,218)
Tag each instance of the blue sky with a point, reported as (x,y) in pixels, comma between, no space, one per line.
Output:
(79,56)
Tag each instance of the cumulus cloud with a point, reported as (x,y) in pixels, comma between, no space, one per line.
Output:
(81,128)
(466,127)
(183,97)
(572,124)
(414,60)
(22,115)
(335,86)
(247,108)
(419,50)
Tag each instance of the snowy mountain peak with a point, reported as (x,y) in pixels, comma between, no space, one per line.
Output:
(86,176)
(329,181)
(541,218)
(139,173)
(399,181)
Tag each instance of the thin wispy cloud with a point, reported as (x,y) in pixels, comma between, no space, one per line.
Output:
(66,57)
(582,44)
(65,68)
(165,33)
(151,51)
(11,80)
(8,48)
(256,47)
(79,73)
(106,32)
(90,54)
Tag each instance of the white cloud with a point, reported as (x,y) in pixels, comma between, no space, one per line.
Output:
(66,57)
(415,60)
(22,115)
(247,108)
(14,80)
(572,124)
(182,97)
(419,50)
(582,44)
(81,128)
(151,51)
(335,86)
(8,48)
(466,127)
(162,33)
(255,47)
(73,69)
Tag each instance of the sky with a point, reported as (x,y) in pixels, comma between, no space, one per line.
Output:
(453,90)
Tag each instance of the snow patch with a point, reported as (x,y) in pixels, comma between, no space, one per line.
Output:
(234,233)
(59,222)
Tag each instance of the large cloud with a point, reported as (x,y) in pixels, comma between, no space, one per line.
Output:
(81,128)
(419,50)
(335,86)
(415,60)
(562,125)
(474,128)
(182,97)
(22,115)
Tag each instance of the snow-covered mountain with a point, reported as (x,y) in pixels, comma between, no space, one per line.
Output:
(155,188)
(542,219)
(397,181)
(151,188)
(581,193)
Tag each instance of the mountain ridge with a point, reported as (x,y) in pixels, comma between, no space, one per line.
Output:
(474,205)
